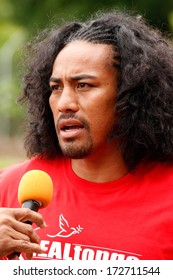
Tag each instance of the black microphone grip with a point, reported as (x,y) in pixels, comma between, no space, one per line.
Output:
(34,206)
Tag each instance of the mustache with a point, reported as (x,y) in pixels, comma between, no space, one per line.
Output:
(74,117)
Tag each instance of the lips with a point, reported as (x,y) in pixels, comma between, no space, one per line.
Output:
(69,124)
(69,127)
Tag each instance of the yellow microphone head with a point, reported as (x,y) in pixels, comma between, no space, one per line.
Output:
(36,185)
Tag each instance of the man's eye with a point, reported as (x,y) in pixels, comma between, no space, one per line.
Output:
(54,87)
(83,85)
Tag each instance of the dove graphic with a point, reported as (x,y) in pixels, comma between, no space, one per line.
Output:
(66,230)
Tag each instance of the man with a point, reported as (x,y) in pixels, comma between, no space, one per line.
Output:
(100,107)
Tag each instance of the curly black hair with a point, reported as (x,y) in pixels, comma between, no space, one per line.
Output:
(144,104)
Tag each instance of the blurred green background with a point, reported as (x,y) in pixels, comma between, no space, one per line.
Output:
(20,20)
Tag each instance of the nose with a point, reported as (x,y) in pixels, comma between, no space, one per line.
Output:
(68,100)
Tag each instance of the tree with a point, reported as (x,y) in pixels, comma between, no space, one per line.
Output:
(21,20)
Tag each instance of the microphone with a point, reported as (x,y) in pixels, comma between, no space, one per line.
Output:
(35,191)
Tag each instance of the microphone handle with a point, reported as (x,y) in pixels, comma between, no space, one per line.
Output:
(34,206)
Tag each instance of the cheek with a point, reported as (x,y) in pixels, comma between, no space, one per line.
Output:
(52,103)
(101,120)
(53,106)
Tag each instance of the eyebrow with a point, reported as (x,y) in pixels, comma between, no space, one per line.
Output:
(74,78)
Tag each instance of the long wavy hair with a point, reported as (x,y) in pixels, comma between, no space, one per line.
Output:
(144,104)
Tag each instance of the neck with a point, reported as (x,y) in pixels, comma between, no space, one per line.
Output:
(102,166)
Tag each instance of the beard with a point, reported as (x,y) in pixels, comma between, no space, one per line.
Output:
(75,151)
(71,148)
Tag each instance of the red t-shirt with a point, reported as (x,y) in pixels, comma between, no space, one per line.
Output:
(127,219)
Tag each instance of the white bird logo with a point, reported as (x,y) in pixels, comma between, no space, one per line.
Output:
(66,230)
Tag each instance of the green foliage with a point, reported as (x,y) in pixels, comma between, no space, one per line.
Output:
(6,161)
(21,20)
(35,14)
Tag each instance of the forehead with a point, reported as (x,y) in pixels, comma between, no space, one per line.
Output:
(86,54)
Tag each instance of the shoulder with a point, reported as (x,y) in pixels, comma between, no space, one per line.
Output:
(14,171)
(156,173)
(12,174)
(10,177)
(9,182)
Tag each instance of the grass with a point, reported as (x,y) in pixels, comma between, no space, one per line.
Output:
(6,161)
(11,150)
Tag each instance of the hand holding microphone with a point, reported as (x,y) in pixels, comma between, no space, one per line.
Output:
(17,235)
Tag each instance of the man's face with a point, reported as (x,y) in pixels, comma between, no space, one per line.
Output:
(84,86)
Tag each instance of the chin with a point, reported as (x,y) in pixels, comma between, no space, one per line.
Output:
(77,153)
